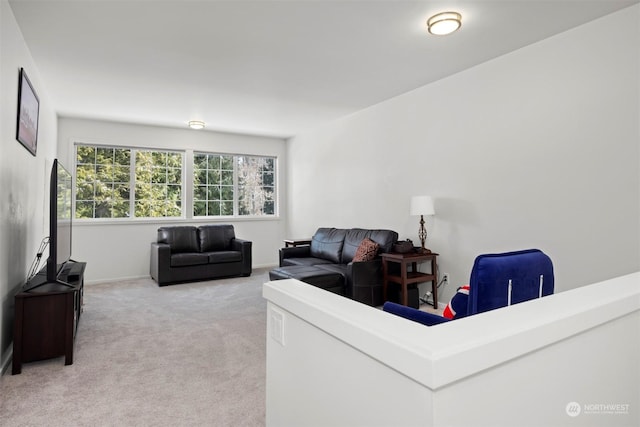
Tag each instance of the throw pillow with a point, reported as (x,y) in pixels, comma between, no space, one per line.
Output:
(367,250)
(457,307)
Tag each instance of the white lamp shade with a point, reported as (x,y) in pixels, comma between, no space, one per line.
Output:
(422,205)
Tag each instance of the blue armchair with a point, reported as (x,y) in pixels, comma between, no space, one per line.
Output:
(497,280)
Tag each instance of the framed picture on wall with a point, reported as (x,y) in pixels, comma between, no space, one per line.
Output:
(28,111)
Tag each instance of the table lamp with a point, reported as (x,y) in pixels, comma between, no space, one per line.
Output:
(422,205)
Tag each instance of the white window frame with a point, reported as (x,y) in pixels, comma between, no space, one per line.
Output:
(187,187)
(236,200)
(132,183)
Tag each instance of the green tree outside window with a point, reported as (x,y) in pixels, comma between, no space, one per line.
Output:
(115,182)
(103,183)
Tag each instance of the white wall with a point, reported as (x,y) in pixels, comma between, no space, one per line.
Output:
(537,148)
(24,179)
(342,363)
(116,250)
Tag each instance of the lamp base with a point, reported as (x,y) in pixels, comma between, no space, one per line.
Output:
(420,250)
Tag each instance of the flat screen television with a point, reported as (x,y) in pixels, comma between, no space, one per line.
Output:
(60,215)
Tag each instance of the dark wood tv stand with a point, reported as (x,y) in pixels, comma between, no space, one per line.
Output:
(47,316)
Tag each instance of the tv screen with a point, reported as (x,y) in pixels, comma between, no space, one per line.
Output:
(60,215)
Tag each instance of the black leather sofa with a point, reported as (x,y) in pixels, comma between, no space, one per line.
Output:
(327,263)
(189,253)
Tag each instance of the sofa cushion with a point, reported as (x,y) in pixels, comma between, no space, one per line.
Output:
(185,259)
(327,244)
(312,275)
(216,237)
(224,256)
(335,268)
(304,261)
(367,250)
(181,239)
(354,236)
(457,307)
(352,241)
(385,238)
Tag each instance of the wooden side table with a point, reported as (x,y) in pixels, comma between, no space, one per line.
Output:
(414,276)
(296,242)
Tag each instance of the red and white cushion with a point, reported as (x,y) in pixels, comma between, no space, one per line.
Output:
(457,307)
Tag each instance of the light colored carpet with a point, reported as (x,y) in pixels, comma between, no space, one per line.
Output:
(183,355)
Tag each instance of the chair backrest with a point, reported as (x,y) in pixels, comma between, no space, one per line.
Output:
(499,280)
(180,239)
(327,243)
(216,237)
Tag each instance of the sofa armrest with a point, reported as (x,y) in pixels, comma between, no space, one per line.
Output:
(244,246)
(413,314)
(365,272)
(364,282)
(295,252)
(160,262)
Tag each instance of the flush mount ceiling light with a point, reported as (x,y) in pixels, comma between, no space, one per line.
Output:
(196,124)
(444,23)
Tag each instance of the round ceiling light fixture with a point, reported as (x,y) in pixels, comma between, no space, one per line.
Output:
(196,124)
(444,23)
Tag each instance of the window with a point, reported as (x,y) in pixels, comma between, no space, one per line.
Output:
(104,177)
(102,182)
(122,182)
(213,187)
(233,185)
(158,190)
(256,185)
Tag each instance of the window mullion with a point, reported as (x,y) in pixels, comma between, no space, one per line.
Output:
(132,183)
(236,193)
(187,184)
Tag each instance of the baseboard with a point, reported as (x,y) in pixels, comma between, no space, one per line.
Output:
(146,276)
(255,267)
(115,279)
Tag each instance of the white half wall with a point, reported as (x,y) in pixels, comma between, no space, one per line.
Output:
(332,361)
(120,249)
(24,179)
(539,148)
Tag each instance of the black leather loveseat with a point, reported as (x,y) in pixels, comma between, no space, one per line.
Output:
(328,263)
(188,253)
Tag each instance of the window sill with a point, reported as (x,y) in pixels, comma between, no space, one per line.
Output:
(169,221)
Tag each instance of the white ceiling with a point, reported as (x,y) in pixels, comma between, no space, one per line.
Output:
(266,67)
